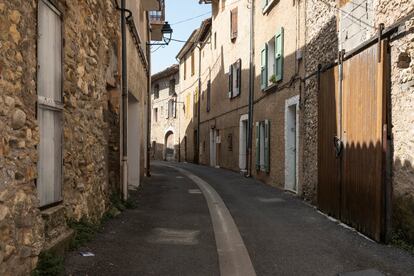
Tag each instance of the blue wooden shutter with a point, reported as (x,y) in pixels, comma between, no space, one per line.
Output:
(263,79)
(267,145)
(279,54)
(230,81)
(257,146)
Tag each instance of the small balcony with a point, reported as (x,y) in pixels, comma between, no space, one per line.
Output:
(157,19)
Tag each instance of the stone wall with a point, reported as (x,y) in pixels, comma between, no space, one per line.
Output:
(91,122)
(321,48)
(21,226)
(402,114)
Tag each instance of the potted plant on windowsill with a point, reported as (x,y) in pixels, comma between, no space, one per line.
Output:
(273,79)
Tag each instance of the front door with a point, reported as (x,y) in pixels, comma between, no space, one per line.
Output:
(291,145)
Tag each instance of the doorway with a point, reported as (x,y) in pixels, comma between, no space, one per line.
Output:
(133,142)
(243,143)
(169,146)
(291,143)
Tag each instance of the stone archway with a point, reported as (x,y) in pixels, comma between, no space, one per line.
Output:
(169,146)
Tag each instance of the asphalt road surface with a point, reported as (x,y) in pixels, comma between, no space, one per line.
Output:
(196,220)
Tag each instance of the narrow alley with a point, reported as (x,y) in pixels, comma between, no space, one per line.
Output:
(170,232)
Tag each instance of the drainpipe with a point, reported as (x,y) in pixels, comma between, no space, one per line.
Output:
(124,105)
(148,144)
(251,92)
(199,103)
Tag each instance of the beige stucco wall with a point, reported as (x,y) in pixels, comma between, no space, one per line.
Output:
(163,125)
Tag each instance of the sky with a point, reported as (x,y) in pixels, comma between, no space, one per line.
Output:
(176,12)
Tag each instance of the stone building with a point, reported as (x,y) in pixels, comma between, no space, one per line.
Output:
(306,48)
(60,123)
(166,117)
(352,28)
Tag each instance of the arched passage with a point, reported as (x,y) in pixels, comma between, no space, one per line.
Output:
(169,146)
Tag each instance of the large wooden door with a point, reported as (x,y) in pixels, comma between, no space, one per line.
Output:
(50,104)
(351,177)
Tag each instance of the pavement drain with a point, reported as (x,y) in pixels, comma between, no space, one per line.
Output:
(270,200)
(194,191)
(366,272)
(173,236)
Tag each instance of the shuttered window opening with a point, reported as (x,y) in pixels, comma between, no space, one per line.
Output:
(192,64)
(171,87)
(234,79)
(50,104)
(187,106)
(208,96)
(272,60)
(263,146)
(172,109)
(233,23)
(156,91)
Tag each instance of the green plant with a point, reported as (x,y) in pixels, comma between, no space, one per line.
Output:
(273,78)
(49,265)
(400,240)
(85,231)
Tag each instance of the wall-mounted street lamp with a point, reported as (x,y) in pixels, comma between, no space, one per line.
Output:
(166,35)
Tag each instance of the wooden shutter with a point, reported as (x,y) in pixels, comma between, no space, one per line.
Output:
(208,95)
(233,22)
(267,145)
(279,54)
(238,78)
(231,81)
(174,106)
(263,70)
(187,106)
(257,146)
(50,106)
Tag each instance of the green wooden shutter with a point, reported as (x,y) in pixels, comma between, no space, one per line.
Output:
(267,146)
(257,146)
(264,67)
(264,3)
(230,81)
(279,54)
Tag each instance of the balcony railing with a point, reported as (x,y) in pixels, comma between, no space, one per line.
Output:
(158,16)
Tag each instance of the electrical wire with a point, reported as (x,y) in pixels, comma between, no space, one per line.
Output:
(189,19)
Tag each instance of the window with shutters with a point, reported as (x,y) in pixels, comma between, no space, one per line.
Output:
(192,64)
(233,24)
(187,106)
(172,109)
(155,115)
(208,95)
(267,5)
(234,79)
(50,104)
(156,91)
(272,61)
(171,87)
(196,103)
(263,146)
(185,68)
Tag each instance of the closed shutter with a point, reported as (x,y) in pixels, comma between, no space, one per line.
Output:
(238,78)
(233,21)
(230,81)
(208,95)
(279,54)
(50,106)
(267,145)
(257,146)
(263,79)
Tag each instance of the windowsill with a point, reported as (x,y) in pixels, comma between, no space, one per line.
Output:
(235,97)
(269,6)
(270,87)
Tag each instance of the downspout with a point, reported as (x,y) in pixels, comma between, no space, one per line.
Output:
(198,103)
(251,92)
(148,144)
(124,105)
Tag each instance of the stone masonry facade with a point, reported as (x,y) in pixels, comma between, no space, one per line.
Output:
(91,123)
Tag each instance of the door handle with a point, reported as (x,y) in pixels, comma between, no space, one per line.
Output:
(338,145)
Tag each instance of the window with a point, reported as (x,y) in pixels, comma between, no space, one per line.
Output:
(172,109)
(192,64)
(187,106)
(266,4)
(234,79)
(155,114)
(215,40)
(230,142)
(208,95)
(233,24)
(272,61)
(196,103)
(172,87)
(263,146)
(50,104)
(156,91)
(185,68)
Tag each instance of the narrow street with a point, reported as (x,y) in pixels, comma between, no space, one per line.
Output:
(171,232)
